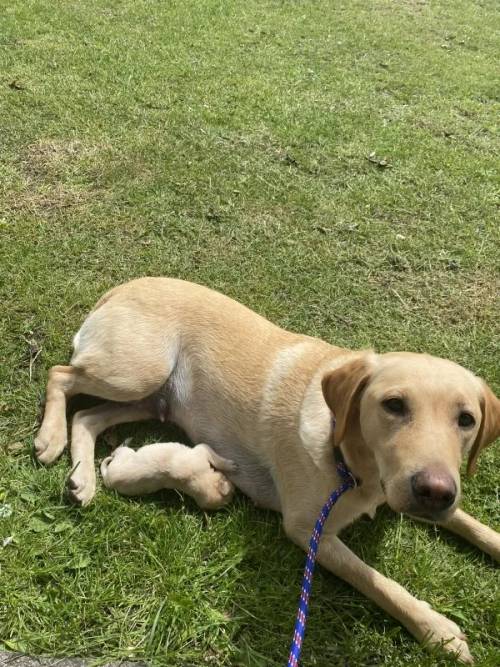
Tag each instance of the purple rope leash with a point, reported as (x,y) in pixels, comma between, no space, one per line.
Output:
(301,619)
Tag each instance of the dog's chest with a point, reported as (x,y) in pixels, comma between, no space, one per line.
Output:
(354,504)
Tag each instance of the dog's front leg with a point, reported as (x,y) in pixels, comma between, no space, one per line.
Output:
(486,539)
(417,616)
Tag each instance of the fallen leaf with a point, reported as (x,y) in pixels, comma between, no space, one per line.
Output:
(37,525)
(33,352)
(62,526)
(381,162)
(28,497)
(81,563)
(13,645)
(15,85)
(5,511)
(15,447)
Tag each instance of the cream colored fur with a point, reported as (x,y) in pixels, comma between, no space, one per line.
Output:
(264,398)
(170,465)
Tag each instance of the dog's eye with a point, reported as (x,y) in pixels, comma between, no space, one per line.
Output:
(466,420)
(395,406)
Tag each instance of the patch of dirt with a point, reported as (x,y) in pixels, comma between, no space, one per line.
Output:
(445,295)
(45,201)
(48,171)
(51,158)
(414,5)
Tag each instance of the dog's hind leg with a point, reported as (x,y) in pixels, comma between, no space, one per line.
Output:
(119,355)
(64,382)
(52,436)
(87,425)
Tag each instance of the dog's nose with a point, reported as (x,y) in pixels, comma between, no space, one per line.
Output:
(434,490)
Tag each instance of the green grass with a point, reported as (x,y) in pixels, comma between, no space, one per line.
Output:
(228,143)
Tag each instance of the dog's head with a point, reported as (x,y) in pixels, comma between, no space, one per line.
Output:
(419,416)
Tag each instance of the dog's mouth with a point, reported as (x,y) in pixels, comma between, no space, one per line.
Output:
(414,511)
(431,517)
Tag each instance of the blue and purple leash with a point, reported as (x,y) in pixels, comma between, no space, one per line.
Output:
(300,622)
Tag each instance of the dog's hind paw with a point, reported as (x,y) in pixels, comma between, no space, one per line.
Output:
(49,447)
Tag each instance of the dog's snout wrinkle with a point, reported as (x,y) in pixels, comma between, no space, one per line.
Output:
(434,489)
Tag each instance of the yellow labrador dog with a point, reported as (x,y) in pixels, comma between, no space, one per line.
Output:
(264,398)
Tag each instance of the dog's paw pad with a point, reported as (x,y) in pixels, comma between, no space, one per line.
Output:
(40,445)
(81,490)
(48,449)
(444,631)
(225,487)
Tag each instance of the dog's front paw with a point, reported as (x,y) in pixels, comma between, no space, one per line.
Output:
(434,628)
(492,544)
(82,486)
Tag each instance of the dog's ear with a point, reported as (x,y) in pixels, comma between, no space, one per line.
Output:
(342,390)
(489,429)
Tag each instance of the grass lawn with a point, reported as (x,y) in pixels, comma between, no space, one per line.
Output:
(332,165)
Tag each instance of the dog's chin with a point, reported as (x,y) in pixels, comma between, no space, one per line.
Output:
(422,514)
(430,517)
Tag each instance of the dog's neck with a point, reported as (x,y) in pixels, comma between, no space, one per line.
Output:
(359,459)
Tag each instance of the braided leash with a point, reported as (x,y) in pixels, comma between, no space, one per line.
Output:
(301,619)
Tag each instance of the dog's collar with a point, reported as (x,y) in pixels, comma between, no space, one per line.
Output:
(339,456)
(340,459)
(342,467)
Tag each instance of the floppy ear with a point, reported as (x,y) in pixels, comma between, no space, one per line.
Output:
(342,390)
(489,429)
